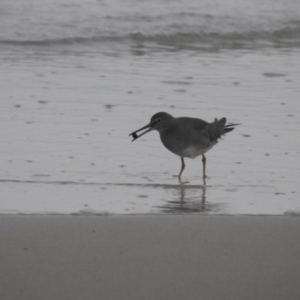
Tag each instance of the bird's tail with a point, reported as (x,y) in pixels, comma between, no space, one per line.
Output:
(217,128)
(222,127)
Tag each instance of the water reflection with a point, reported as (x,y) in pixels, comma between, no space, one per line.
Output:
(190,199)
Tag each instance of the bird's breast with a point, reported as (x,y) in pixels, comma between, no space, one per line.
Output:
(192,151)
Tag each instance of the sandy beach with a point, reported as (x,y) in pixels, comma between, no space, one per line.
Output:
(70,100)
(149,257)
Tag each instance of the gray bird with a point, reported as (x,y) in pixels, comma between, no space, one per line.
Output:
(186,137)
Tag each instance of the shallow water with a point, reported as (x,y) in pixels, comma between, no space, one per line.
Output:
(67,110)
(65,144)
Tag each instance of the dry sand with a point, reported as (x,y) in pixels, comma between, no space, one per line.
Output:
(149,257)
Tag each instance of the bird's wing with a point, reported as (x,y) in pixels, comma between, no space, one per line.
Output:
(199,126)
(212,131)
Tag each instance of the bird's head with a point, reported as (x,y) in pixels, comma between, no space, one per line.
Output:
(158,122)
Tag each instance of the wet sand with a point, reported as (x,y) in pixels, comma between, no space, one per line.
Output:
(149,257)
(66,147)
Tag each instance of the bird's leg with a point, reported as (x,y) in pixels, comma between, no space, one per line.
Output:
(204,165)
(182,167)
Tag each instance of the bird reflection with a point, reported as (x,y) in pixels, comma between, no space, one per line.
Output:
(190,199)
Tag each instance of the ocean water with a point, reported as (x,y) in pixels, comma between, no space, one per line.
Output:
(153,25)
(78,76)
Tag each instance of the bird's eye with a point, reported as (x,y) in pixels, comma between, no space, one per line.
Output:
(158,120)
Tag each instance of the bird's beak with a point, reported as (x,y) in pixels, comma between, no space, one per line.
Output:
(134,134)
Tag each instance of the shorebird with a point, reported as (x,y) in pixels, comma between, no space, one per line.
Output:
(186,137)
